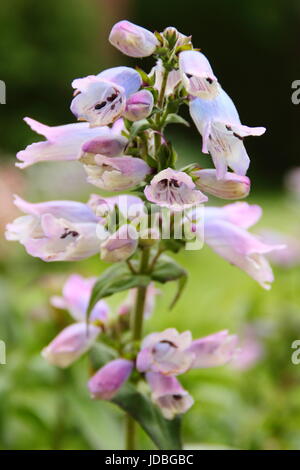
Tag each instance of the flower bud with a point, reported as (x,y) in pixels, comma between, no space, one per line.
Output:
(109,379)
(168,395)
(120,245)
(232,186)
(139,105)
(133,40)
(70,344)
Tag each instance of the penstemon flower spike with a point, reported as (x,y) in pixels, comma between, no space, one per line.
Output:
(122,146)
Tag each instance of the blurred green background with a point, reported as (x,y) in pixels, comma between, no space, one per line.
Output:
(254,50)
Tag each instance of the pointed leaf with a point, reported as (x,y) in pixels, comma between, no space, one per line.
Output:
(117,278)
(164,433)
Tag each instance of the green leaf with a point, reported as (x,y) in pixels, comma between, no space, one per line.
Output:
(146,79)
(166,270)
(117,278)
(176,119)
(164,433)
(139,126)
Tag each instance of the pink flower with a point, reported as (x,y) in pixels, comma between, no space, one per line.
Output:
(109,379)
(133,40)
(70,344)
(218,122)
(225,232)
(214,350)
(168,395)
(120,245)
(139,105)
(173,189)
(56,230)
(232,186)
(63,142)
(76,295)
(101,99)
(110,145)
(166,352)
(197,75)
(118,173)
(171,353)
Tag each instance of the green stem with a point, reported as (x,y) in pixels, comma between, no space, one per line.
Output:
(137,327)
(130,434)
(162,92)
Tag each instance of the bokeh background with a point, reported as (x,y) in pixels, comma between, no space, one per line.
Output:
(254,50)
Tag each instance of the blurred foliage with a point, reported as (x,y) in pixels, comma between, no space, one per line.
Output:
(253,48)
(43,407)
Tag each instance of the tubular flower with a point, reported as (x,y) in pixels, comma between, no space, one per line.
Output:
(63,142)
(218,122)
(133,40)
(118,173)
(110,378)
(171,353)
(101,99)
(75,298)
(120,245)
(168,395)
(232,186)
(225,232)
(70,344)
(56,230)
(173,189)
(197,75)
(214,350)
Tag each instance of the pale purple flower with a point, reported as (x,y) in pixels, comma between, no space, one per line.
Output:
(251,349)
(292,182)
(120,245)
(171,353)
(101,99)
(173,80)
(166,352)
(109,144)
(133,40)
(197,75)
(128,205)
(56,230)
(63,142)
(168,394)
(75,298)
(173,189)
(110,378)
(213,350)
(218,122)
(139,105)
(231,186)
(289,256)
(70,344)
(117,173)
(225,232)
